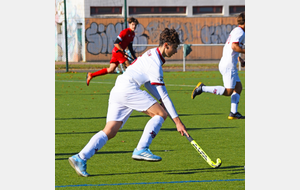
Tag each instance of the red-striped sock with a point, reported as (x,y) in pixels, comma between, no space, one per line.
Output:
(100,72)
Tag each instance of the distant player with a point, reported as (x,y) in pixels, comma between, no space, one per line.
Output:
(146,70)
(228,68)
(124,40)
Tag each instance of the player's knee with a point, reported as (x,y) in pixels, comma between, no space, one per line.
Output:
(163,114)
(110,70)
(228,92)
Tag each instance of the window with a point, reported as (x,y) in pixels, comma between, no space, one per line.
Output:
(106,10)
(59,28)
(157,10)
(236,9)
(207,10)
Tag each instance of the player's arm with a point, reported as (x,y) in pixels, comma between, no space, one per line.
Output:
(117,45)
(235,47)
(152,89)
(167,102)
(131,50)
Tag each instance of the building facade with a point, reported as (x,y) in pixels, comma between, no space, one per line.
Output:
(93,26)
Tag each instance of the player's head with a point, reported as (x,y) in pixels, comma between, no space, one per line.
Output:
(241,18)
(132,22)
(169,38)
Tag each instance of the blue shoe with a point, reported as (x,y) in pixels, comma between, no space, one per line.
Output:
(79,165)
(145,154)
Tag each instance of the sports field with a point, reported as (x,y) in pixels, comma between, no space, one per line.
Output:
(80,112)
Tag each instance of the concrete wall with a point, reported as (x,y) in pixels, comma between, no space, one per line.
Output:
(101,33)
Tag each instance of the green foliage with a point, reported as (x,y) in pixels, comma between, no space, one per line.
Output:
(80,112)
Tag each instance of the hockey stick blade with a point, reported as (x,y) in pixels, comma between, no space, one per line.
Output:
(203,154)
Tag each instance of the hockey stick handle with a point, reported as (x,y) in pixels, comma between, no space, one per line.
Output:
(189,138)
(125,54)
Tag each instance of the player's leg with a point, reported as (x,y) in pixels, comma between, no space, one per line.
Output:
(235,99)
(127,63)
(153,125)
(143,102)
(104,71)
(218,90)
(112,66)
(78,161)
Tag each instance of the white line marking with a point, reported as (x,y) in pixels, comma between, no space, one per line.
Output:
(113,83)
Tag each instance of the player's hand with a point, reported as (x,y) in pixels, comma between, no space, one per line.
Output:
(181,129)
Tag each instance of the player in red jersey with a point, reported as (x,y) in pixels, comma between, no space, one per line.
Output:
(124,40)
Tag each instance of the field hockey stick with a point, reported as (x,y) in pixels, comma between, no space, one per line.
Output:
(203,154)
(125,54)
(200,150)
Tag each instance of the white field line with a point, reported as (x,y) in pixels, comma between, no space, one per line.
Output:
(113,83)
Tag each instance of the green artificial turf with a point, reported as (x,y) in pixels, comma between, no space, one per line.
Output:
(80,112)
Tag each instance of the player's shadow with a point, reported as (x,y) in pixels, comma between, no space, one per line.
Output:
(142,129)
(101,152)
(234,169)
(136,116)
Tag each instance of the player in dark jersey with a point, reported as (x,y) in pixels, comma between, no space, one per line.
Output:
(124,40)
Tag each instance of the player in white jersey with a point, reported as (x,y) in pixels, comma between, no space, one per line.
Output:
(147,70)
(228,68)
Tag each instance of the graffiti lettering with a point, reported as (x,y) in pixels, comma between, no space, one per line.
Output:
(101,40)
(216,34)
(185,30)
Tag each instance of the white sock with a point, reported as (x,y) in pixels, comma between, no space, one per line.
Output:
(95,144)
(235,98)
(218,90)
(151,129)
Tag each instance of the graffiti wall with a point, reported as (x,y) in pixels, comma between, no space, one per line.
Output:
(75,27)
(101,33)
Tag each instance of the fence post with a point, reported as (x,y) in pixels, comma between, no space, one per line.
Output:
(183,57)
(66,36)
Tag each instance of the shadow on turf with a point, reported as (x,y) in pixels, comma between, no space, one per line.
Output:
(136,116)
(101,152)
(142,129)
(184,172)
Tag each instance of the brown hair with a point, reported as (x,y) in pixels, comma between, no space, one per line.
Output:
(241,18)
(170,36)
(132,19)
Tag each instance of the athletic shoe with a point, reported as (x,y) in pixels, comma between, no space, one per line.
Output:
(197,90)
(145,154)
(237,115)
(88,78)
(79,165)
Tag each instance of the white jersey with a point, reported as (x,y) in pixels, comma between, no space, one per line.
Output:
(230,58)
(145,68)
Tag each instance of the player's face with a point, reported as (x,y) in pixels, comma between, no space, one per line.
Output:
(171,49)
(132,26)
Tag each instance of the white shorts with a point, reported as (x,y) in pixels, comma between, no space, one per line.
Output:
(121,104)
(230,77)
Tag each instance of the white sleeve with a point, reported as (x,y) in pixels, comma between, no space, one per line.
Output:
(167,101)
(152,90)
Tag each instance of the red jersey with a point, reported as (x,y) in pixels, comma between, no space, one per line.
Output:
(126,36)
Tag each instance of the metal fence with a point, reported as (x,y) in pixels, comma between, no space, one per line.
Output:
(184,49)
